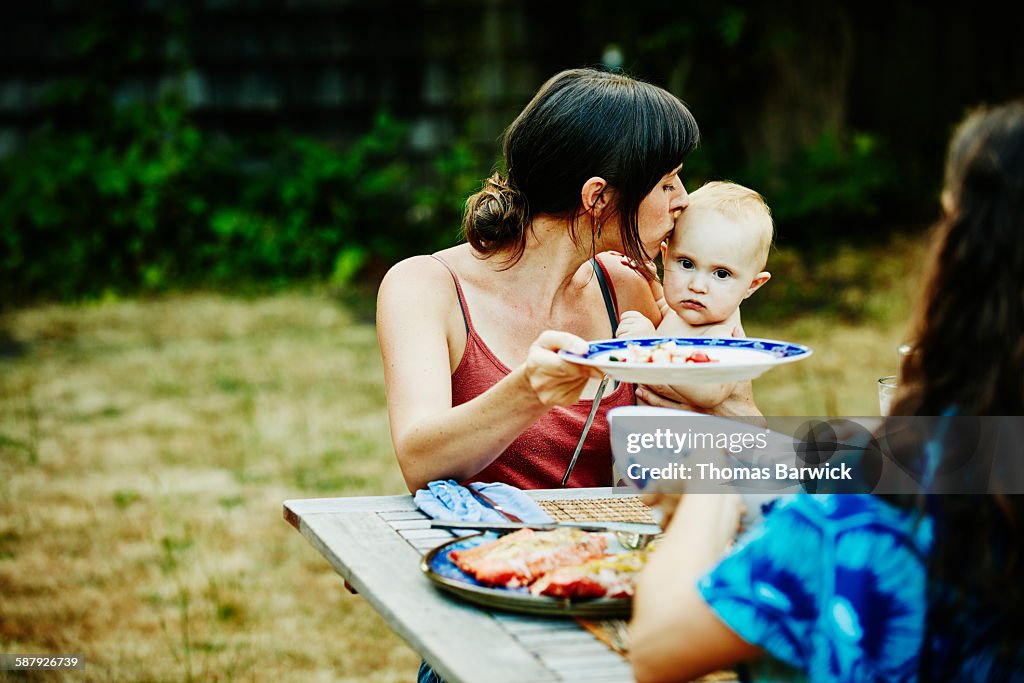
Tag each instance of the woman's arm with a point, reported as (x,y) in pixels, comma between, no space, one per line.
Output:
(432,439)
(674,634)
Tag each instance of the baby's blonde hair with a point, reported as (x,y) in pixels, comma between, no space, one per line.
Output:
(738,203)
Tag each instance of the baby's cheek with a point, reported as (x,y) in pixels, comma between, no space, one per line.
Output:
(671,282)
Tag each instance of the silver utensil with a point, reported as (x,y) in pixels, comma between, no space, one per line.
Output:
(634,528)
(493,504)
(586,427)
(635,541)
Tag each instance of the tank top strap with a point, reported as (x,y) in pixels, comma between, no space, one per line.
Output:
(608,292)
(458,292)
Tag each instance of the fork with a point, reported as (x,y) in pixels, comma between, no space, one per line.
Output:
(634,541)
(586,427)
(628,540)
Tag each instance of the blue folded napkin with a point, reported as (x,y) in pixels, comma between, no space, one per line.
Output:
(449,500)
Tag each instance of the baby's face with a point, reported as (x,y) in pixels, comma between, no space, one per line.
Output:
(712,264)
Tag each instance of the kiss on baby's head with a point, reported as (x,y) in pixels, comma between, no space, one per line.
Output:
(716,255)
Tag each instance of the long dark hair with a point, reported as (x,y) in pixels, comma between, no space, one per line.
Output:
(581,123)
(968,358)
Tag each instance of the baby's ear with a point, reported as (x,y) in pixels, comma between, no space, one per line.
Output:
(755,284)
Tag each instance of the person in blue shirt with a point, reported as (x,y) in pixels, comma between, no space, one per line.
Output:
(862,587)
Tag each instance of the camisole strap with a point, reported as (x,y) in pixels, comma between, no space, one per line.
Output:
(607,292)
(458,292)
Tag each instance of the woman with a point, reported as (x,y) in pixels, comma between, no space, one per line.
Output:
(475,388)
(861,587)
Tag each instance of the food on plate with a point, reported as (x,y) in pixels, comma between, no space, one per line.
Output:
(519,558)
(566,563)
(663,352)
(613,576)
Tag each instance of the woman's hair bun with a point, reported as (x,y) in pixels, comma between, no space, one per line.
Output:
(495,215)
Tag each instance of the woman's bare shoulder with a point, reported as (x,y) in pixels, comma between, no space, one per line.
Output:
(416,281)
(424,269)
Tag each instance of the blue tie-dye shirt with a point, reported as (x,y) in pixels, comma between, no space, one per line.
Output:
(834,586)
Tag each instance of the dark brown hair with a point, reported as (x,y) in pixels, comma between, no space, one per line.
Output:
(581,123)
(968,359)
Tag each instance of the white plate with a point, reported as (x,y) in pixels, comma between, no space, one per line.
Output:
(736,359)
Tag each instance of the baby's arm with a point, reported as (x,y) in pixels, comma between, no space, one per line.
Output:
(633,324)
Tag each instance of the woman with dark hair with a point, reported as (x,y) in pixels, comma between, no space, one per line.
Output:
(476,390)
(861,587)
(968,359)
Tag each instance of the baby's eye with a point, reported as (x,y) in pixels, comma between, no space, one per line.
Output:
(722,274)
(686,263)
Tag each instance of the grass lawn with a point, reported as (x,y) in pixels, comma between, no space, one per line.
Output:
(146,447)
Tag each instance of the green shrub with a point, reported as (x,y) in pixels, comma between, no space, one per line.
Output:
(151,202)
(832,179)
(83,212)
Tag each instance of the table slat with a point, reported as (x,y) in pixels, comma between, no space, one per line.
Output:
(376,543)
(367,553)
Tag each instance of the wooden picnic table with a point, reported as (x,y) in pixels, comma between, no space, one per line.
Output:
(376,544)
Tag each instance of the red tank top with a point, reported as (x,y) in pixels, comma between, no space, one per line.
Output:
(540,455)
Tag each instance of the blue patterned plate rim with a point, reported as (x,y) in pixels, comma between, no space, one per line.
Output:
(780,350)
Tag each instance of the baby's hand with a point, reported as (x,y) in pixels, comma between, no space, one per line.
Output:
(656,289)
(634,324)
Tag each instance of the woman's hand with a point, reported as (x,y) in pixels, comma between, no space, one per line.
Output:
(554,380)
(739,404)
(722,516)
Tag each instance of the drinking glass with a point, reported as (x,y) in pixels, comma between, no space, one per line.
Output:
(886,392)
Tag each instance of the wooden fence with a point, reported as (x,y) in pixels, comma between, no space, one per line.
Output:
(452,69)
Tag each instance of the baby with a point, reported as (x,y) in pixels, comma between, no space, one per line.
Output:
(713,260)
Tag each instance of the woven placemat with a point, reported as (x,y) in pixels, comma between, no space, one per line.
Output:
(612,632)
(614,509)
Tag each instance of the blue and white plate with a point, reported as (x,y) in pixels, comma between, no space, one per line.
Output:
(733,359)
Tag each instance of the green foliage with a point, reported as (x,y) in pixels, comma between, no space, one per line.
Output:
(828,178)
(873,283)
(150,202)
(457,174)
(83,211)
(111,198)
